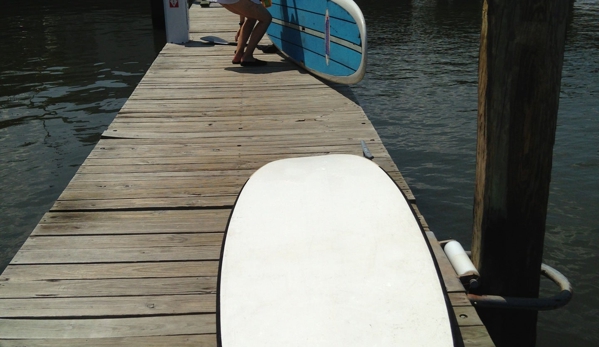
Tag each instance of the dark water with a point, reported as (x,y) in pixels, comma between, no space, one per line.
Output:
(420,92)
(67,68)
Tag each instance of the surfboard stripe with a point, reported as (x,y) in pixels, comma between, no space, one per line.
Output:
(342,60)
(341,29)
(326,37)
(317,62)
(320,34)
(317,7)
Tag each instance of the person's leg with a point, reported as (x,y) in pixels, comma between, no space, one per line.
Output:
(245,33)
(255,37)
(251,10)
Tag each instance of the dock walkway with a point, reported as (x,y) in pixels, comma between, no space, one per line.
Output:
(128,255)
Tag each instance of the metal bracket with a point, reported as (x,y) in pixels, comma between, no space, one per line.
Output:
(458,257)
(536,304)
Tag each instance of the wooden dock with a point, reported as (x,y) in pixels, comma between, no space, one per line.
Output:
(128,255)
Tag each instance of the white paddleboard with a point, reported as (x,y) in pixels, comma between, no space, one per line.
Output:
(326,251)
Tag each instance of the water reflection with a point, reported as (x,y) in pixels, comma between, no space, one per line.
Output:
(420,92)
(71,67)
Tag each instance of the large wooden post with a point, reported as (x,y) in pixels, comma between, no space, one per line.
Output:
(521,55)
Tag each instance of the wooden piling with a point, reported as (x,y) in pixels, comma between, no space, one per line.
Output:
(521,55)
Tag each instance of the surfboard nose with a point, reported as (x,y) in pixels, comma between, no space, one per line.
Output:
(326,251)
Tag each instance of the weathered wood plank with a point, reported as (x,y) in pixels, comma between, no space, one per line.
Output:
(309,133)
(156,184)
(152,176)
(150,203)
(69,256)
(162,269)
(108,287)
(231,106)
(208,340)
(107,306)
(245,143)
(121,178)
(161,149)
(147,156)
(214,121)
(135,222)
(476,336)
(467,316)
(290,118)
(301,91)
(216,125)
(86,190)
(147,193)
(174,217)
(107,328)
(459,299)
(195,240)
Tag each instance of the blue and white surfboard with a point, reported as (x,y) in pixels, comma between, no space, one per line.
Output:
(326,37)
